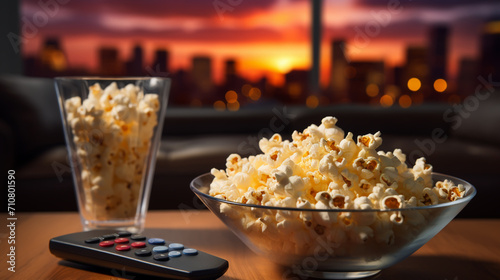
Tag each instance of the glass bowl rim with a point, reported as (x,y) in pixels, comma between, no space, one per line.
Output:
(110,78)
(469,194)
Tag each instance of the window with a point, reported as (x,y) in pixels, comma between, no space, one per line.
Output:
(237,54)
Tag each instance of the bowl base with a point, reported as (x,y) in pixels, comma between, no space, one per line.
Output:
(341,275)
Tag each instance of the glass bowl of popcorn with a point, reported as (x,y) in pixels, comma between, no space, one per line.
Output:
(326,206)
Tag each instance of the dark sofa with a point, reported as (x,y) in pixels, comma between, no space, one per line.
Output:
(460,141)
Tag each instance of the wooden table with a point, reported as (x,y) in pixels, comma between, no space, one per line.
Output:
(465,249)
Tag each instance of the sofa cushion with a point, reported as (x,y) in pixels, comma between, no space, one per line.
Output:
(478,119)
(31,108)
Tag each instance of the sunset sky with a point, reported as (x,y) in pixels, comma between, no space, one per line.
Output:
(266,37)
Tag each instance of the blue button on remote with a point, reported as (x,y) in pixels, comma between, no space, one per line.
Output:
(160,249)
(174,254)
(176,246)
(156,241)
(190,252)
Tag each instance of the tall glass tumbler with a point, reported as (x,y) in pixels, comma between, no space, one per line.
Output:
(113,128)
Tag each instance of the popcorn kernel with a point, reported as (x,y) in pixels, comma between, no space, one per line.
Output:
(392,203)
(365,141)
(339,201)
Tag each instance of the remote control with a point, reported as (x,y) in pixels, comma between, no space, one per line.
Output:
(148,255)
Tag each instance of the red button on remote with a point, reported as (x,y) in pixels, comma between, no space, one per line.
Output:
(122,247)
(121,240)
(107,243)
(138,244)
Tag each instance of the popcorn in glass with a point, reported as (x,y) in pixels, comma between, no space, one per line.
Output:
(113,128)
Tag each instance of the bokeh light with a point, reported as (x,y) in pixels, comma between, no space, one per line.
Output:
(414,84)
(254,93)
(372,90)
(231,96)
(386,100)
(219,105)
(312,101)
(234,106)
(440,85)
(405,101)
(245,89)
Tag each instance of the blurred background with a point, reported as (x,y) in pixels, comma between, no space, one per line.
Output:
(426,73)
(233,54)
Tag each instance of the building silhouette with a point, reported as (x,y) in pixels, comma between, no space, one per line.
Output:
(232,79)
(490,50)
(416,67)
(296,86)
(338,70)
(366,75)
(160,65)
(229,71)
(181,88)
(201,76)
(109,62)
(468,70)
(438,53)
(135,66)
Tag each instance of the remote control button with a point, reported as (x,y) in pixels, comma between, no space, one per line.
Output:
(121,240)
(124,233)
(107,243)
(143,253)
(138,237)
(161,257)
(190,252)
(138,244)
(174,254)
(109,236)
(160,249)
(122,247)
(175,246)
(156,241)
(93,240)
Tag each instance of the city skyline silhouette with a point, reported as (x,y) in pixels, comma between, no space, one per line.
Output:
(355,68)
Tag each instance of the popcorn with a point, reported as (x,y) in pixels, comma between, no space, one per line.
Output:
(112,131)
(322,168)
